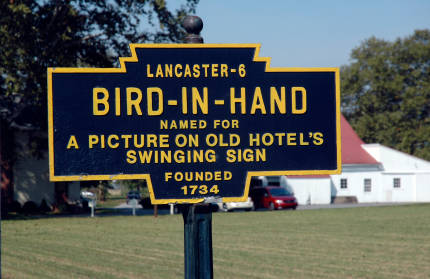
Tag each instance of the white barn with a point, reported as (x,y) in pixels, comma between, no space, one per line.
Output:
(404,178)
(31,178)
(370,173)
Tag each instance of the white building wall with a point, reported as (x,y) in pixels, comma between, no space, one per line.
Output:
(423,187)
(31,181)
(355,185)
(414,174)
(31,177)
(405,193)
(311,190)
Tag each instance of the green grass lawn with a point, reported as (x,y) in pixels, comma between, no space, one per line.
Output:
(378,242)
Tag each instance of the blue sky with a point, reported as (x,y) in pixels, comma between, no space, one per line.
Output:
(310,33)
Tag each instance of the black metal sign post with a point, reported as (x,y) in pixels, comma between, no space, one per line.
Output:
(198,241)
(198,259)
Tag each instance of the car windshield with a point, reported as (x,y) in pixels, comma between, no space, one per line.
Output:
(278,192)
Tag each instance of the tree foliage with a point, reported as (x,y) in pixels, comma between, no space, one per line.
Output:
(386,92)
(36,34)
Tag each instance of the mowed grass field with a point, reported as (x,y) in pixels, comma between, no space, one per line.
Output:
(369,242)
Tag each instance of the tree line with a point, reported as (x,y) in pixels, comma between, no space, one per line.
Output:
(386,92)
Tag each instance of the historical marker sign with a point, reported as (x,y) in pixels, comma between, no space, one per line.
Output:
(194,120)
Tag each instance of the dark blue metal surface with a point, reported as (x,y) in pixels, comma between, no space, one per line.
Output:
(72,103)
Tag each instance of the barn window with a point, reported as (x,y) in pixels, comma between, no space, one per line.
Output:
(367,185)
(396,182)
(343,183)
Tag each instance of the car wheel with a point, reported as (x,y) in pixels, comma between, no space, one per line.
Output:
(294,208)
(215,207)
(271,206)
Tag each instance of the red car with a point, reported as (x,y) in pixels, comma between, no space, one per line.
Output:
(272,198)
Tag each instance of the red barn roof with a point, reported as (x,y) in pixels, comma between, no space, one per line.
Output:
(352,152)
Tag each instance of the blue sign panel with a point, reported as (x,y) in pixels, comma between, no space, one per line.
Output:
(194,120)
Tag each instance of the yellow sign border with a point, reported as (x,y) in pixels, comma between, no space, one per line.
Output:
(147,177)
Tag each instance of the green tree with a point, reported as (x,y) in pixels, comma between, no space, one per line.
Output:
(386,92)
(36,34)
(139,185)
